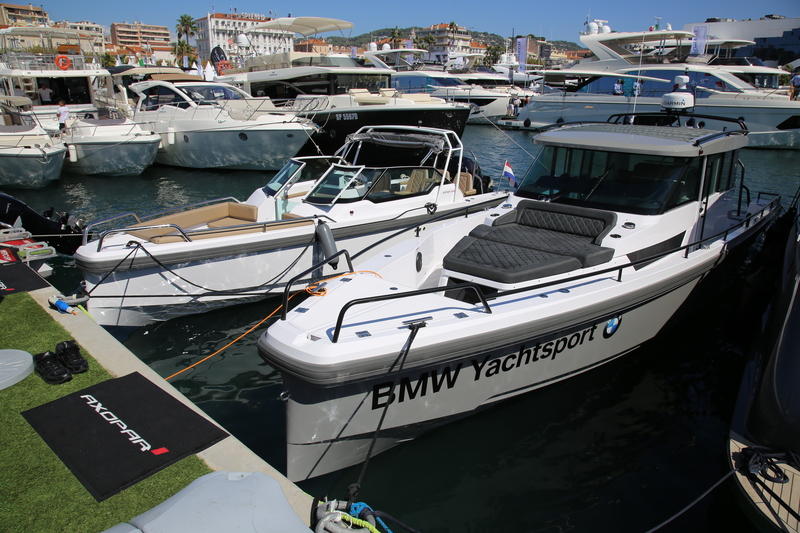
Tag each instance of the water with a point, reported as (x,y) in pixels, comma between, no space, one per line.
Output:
(620,448)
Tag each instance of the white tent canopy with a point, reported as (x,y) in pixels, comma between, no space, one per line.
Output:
(305,26)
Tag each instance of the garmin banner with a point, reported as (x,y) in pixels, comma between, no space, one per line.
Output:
(522,53)
(699,40)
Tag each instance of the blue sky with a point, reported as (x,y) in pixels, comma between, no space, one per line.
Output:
(554,20)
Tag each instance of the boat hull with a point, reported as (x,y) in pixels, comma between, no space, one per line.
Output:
(121,158)
(238,148)
(331,427)
(30,168)
(138,291)
(768,121)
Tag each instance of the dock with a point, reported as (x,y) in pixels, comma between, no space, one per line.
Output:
(229,454)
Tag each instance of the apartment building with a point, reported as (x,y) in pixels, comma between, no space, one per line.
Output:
(19,15)
(139,34)
(224,30)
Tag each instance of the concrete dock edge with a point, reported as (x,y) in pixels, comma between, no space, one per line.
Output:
(229,454)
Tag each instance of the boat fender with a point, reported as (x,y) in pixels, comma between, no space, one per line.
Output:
(170,135)
(73,153)
(527,123)
(325,239)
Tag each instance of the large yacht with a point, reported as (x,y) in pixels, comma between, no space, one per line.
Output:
(336,91)
(630,72)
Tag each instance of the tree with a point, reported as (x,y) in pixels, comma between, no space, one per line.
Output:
(492,55)
(396,37)
(181,49)
(186,27)
(452,27)
(108,60)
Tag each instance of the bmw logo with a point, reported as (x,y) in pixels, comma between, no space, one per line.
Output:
(612,326)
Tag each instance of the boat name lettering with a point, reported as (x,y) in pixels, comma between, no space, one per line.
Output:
(548,350)
(431,382)
(346,116)
(111,418)
(382,393)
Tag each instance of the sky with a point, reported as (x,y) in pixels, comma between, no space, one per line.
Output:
(552,20)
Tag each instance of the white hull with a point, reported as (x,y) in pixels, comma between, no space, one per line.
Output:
(196,143)
(109,148)
(762,116)
(30,168)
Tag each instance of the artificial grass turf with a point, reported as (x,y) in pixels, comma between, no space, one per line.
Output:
(37,491)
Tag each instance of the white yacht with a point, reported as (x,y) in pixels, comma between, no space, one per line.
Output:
(410,78)
(29,156)
(140,270)
(337,92)
(108,147)
(607,236)
(630,72)
(215,125)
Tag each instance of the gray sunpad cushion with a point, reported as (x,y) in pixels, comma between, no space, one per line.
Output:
(505,263)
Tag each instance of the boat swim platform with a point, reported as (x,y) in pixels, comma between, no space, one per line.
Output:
(230,454)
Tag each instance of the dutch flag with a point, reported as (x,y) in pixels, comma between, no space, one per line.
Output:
(508,173)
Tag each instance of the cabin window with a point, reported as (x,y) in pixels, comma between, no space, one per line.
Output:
(632,183)
(72,90)
(720,174)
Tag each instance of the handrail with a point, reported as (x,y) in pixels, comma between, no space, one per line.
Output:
(351,303)
(314,267)
(187,234)
(484,299)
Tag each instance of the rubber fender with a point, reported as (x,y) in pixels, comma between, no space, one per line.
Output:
(325,239)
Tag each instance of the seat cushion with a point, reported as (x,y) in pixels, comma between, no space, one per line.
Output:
(505,263)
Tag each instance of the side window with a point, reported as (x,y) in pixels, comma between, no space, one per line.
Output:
(719,172)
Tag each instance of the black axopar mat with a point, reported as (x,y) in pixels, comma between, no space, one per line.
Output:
(116,433)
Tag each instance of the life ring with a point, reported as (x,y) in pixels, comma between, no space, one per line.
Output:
(63,62)
(223,65)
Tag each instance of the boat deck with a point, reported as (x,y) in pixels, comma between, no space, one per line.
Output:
(767,495)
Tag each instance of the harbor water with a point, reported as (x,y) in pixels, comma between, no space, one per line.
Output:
(620,448)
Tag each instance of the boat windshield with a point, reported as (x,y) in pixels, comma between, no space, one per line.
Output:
(346,182)
(206,93)
(297,171)
(630,183)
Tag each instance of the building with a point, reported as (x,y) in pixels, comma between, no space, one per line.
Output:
(447,41)
(777,38)
(224,30)
(17,15)
(95,40)
(138,34)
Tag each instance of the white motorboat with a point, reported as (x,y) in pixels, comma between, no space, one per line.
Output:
(337,92)
(227,252)
(606,84)
(608,234)
(202,127)
(109,147)
(29,156)
(46,78)
(487,105)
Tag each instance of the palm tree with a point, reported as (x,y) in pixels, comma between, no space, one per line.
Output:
(186,27)
(453,27)
(396,37)
(108,60)
(182,48)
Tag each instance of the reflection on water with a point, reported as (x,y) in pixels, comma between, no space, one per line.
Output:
(619,448)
